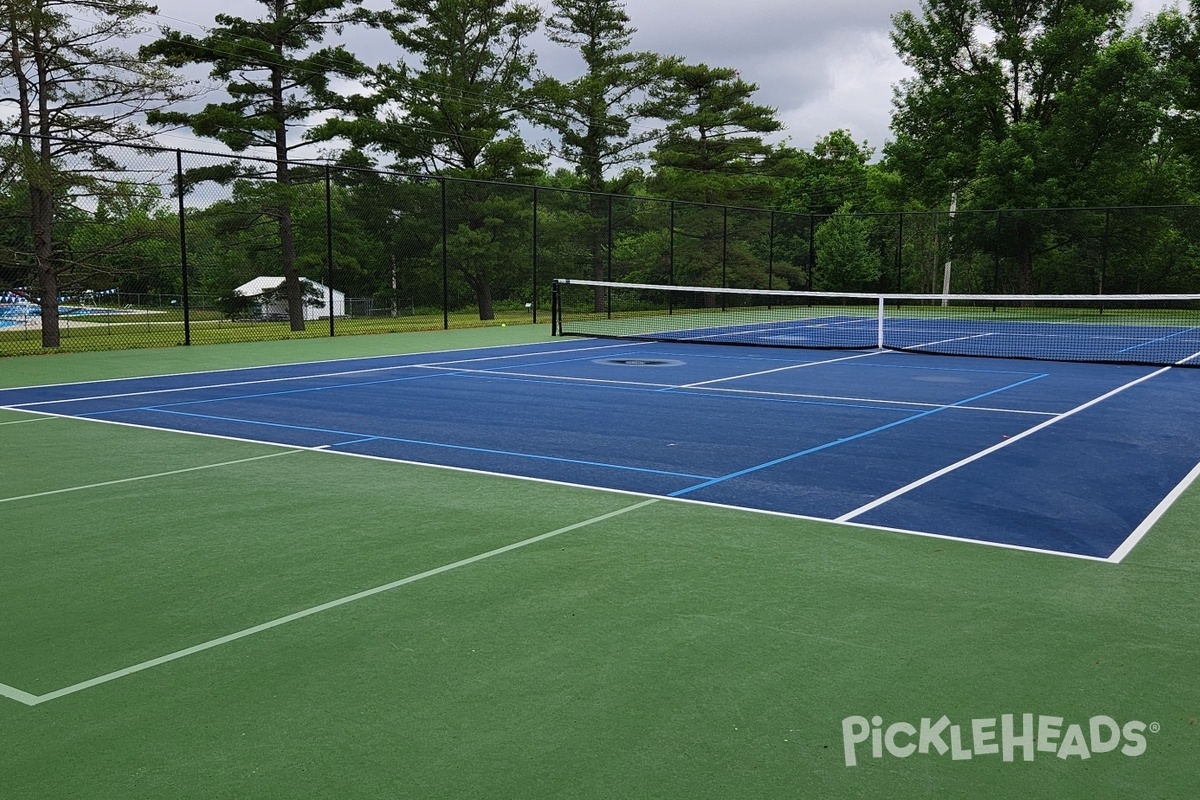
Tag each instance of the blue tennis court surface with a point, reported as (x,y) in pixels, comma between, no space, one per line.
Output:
(1075,459)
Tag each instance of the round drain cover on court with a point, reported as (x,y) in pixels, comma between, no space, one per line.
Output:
(639,362)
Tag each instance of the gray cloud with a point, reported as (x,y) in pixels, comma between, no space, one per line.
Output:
(823,65)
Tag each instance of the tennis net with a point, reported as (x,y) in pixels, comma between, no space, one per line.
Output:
(1131,329)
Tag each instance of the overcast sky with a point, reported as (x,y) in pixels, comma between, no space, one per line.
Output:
(823,64)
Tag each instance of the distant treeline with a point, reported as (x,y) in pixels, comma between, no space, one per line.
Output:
(427,196)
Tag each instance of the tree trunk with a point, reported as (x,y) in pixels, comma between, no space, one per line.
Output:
(291,278)
(483,294)
(42,223)
(38,171)
(283,177)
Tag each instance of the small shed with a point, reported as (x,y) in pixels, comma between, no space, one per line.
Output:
(274,304)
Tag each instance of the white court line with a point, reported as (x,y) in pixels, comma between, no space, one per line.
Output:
(748,392)
(589,487)
(781,369)
(1140,532)
(550,378)
(144,477)
(758,392)
(944,341)
(285,364)
(281,379)
(31,700)
(13,693)
(905,403)
(999,446)
(23,421)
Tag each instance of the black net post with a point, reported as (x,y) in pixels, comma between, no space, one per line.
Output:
(554,308)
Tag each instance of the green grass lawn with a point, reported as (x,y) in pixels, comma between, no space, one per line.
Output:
(635,650)
(166,329)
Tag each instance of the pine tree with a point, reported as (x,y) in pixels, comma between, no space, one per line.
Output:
(73,90)
(276,82)
(453,112)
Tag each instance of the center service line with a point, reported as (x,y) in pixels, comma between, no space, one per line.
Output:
(31,700)
(779,369)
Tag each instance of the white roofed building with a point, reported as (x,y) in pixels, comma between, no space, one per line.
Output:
(274,304)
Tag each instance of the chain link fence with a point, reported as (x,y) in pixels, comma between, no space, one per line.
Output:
(121,247)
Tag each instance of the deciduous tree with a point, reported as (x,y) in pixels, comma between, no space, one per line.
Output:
(1044,103)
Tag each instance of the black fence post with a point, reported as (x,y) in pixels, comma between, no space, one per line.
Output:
(608,256)
(724,250)
(1104,248)
(183,259)
(534,243)
(445,261)
(996,261)
(812,248)
(770,249)
(329,247)
(609,243)
(671,259)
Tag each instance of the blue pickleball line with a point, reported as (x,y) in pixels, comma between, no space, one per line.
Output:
(443,445)
(1159,339)
(844,440)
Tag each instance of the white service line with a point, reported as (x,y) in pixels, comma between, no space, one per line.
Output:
(541,376)
(30,419)
(32,700)
(781,369)
(945,341)
(999,446)
(145,477)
